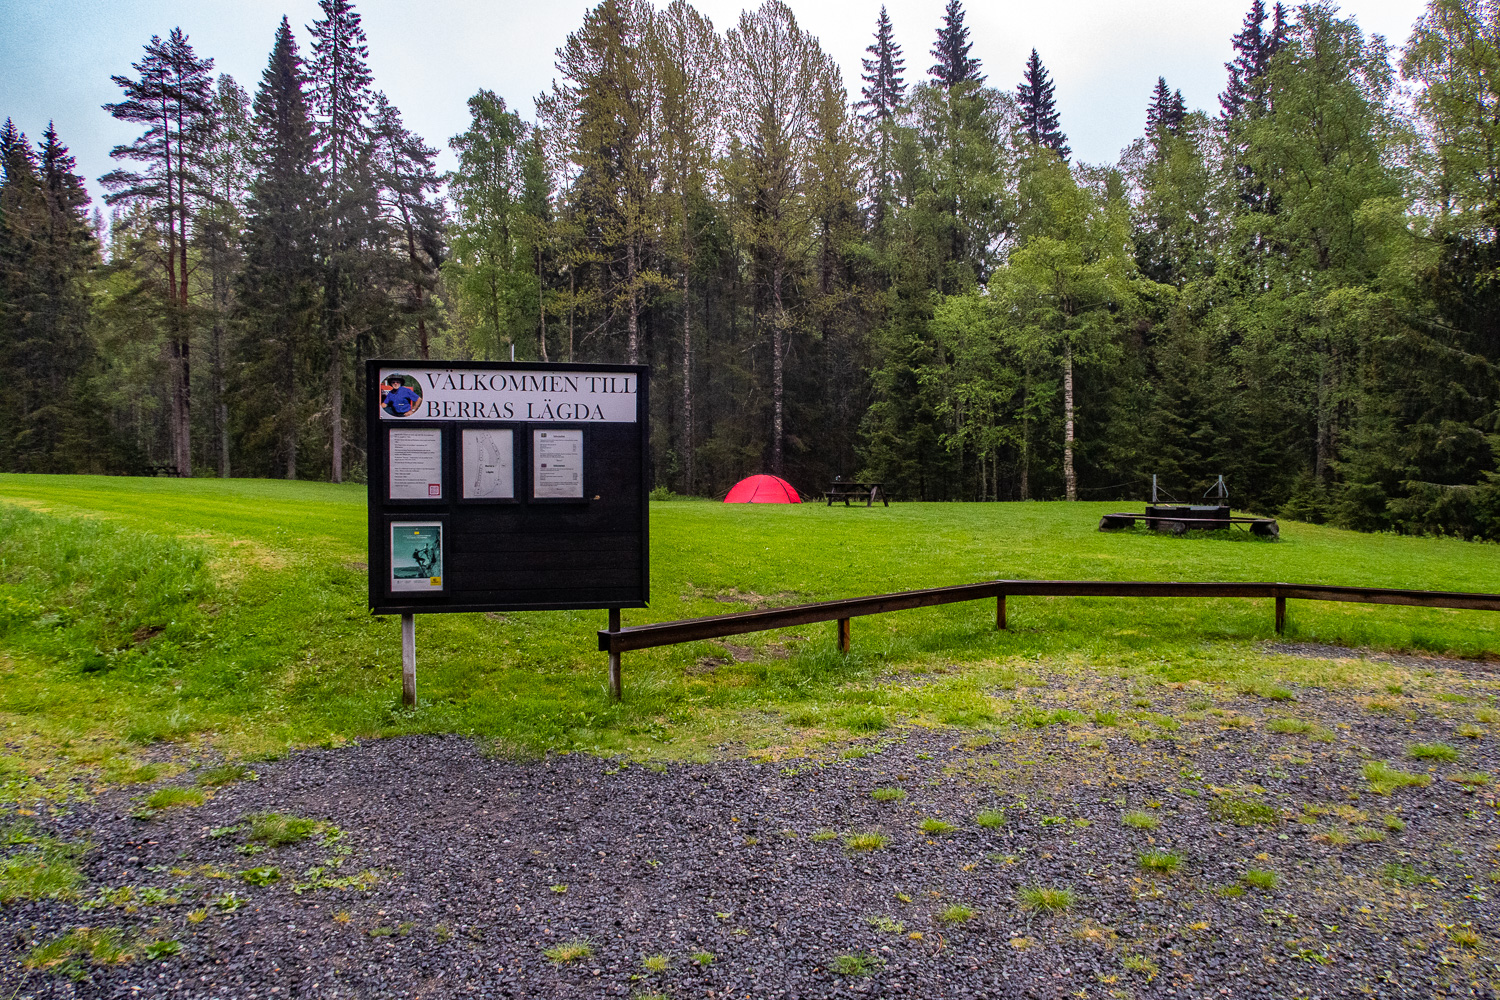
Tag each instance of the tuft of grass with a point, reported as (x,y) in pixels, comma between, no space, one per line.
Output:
(1141,963)
(560,888)
(1260,878)
(1242,812)
(1464,936)
(1164,862)
(569,951)
(1106,719)
(936,827)
(866,841)
(224,774)
(888,794)
(279,829)
(172,797)
(1471,779)
(1333,835)
(1046,900)
(990,818)
(822,835)
(955,913)
(1393,823)
(1488,716)
(1385,779)
(1400,873)
(888,925)
(1140,820)
(1286,724)
(703,959)
(655,963)
(1469,731)
(158,950)
(1433,751)
(96,945)
(1271,692)
(854,965)
(45,868)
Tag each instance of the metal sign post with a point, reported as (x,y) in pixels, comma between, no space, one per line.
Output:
(506,486)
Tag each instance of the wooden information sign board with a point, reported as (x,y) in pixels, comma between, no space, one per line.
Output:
(506,486)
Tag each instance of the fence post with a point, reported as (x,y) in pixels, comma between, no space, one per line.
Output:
(1000,613)
(1280,614)
(843,635)
(614,657)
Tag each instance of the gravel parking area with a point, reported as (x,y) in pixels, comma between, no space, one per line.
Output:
(1198,843)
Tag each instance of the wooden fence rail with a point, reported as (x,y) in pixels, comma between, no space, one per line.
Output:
(616,640)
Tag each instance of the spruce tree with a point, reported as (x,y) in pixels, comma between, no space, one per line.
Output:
(1254,48)
(341,79)
(1166,112)
(1038,106)
(278,287)
(173,98)
(951,50)
(884,88)
(47,250)
(409,178)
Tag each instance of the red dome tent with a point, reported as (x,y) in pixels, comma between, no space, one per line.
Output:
(762,489)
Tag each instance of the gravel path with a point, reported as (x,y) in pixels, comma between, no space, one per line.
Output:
(477,865)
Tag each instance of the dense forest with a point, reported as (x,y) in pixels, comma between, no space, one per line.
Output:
(915,284)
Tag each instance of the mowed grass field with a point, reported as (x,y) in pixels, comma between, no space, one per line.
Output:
(147,618)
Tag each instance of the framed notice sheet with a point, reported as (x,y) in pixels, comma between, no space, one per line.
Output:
(489,463)
(416,463)
(416,557)
(557,464)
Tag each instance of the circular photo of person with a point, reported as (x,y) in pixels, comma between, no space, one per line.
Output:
(400,395)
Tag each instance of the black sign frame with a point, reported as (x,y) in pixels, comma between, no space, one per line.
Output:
(522,553)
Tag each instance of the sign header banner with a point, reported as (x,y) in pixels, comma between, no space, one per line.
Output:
(485,394)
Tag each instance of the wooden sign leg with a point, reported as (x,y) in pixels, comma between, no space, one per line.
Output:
(843,635)
(614,658)
(1000,612)
(408,659)
(1280,614)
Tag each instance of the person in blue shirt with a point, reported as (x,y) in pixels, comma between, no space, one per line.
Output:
(397,399)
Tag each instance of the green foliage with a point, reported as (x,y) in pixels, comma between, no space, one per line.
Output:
(869,841)
(954,913)
(990,818)
(42,867)
(936,827)
(278,830)
(888,794)
(1260,878)
(1433,751)
(1140,820)
(1046,900)
(1242,811)
(855,965)
(1385,779)
(1162,862)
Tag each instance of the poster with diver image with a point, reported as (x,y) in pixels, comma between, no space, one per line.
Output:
(417,557)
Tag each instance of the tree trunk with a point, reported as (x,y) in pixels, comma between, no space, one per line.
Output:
(778,347)
(632,321)
(336,411)
(1070,480)
(541,309)
(687,390)
(1025,445)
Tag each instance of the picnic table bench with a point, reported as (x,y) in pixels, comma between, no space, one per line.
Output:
(846,491)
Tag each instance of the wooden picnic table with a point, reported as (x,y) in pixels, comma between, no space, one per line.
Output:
(846,491)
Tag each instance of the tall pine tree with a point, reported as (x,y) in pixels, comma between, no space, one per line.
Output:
(280,286)
(1036,97)
(951,50)
(173,98)
(1253,47)
(409,180)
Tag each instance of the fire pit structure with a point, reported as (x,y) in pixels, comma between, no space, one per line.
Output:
(1180,518)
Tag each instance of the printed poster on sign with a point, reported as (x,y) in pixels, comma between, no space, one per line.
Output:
(489,468)
(417,557)
(557,465)
(416,462)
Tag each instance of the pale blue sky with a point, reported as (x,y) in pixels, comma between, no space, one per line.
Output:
(1105,55)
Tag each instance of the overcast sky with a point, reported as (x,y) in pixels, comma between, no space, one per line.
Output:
(429,57)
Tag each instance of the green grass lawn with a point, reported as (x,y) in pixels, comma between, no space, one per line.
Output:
(229,617)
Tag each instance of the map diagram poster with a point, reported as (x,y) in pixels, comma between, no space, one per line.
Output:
(417,557)
(557,465)
(416,463)
(489,464)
